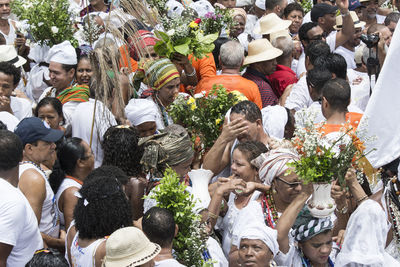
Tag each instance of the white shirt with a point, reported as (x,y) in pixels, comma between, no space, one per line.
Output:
(301,64)
(216,253)
(21,107)
(10,38)
(307,18)
(299,97)
(348,56)
(331,40)
(9,120)
(81,121)
(168,263)
(359,90)
(66,183)
(18,225)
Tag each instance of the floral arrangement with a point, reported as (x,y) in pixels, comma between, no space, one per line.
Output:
(216,21)
(89,31)
(189,244)
(49,20)
(323,159)
(203,115)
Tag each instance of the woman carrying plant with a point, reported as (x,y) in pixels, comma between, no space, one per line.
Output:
(162,77)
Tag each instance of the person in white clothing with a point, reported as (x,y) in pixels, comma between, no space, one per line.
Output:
(38,140)
(9,120)
(19,232)
(9,79)
(159,226)
(142,113)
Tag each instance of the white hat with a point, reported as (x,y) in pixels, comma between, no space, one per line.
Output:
(202,7)
(63,53)
(271,23)
(261,50)
(10,55)
(274,120)
(139,111)
(282,33)
(129,246)
(260,4)
(354,17)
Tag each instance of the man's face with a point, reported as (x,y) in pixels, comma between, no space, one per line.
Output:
(370,9)
(254,252)
(315,34)
(282,7)
(43,151)
(386,34)
(269,66)
(252,133)
(59,77)
(329,20)
(6,84)
(392,26)
(355,40)
(5,9)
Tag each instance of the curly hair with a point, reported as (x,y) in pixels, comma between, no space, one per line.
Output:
(102,209)
(48,257)
(121,149)
(10,70)
(112,172)
(251,149)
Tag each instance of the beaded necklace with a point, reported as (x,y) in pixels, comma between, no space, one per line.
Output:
(34,164)
(394,212)
(269,210)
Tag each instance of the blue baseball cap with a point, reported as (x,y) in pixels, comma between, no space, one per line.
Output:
(34,129)
(353,4)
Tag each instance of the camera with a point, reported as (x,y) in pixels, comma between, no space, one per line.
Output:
(370,40)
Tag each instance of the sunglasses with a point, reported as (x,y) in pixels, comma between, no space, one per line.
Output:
(291,185)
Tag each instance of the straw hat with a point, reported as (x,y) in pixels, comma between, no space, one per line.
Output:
(9,54)
(261,50)
(129,247)
(354,17)
(283,33)
(271,23)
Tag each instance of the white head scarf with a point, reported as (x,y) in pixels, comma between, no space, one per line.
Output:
(139,111)
(260,4)
(274,120)
(174,8)
(261,232)
(365,240)
(202,7)
(63,53)
(274,163)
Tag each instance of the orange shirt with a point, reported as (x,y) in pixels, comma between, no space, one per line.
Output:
(126,60)
(232,83)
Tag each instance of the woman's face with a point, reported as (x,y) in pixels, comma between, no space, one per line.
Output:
(241,167)
(50,115)
(147,128)
(183,168)
(84,71)
(254,252)
(239,26)
(168,92)
(227,3)
(88,159)
(285,192)
(297,18)
(318,248)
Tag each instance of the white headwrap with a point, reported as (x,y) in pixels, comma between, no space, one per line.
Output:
(241,3)
(174,8)
(274,163)
(365,240)
(139,111)
(63,53)
(274,120)
(202,7)
(260,4)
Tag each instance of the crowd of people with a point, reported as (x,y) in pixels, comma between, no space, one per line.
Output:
(85,135)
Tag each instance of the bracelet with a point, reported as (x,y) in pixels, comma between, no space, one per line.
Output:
(212,215)
(342,210)
(191,74)
(345,14)
(361,199)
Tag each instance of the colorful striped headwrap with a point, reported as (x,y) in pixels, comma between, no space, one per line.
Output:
(306,226)
(77,93)
(155,73)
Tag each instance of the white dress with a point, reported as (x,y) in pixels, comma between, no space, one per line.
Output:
(66,183)
(84,257)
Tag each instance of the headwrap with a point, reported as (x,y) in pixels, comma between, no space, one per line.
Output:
(63,53)
(174,8)
(274,120)
(202,7)
(258,230)
(306,226)
(141,40)
(139,111)
(274,163)
(78,93)
(155,73)
(239,12)
(165,148)
(260,4)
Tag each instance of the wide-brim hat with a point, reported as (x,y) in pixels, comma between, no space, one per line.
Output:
(261,50)
(354,17)
(271,23)
(129,246)
(10,55)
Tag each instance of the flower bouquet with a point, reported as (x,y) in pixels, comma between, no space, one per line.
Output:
(189,244)
(50,20)
(203,115)
(213,22)
(323,159)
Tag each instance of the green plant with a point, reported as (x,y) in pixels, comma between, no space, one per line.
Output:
(307,5)
(189,244)
(50,20)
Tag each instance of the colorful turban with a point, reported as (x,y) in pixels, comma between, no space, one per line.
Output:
(274,163)
(239,12)
(155,73)
(306,226)
(140,41)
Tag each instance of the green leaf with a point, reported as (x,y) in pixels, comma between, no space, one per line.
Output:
(183,49)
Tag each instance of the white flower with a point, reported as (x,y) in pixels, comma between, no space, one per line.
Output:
(171,32)
(40,24)
(54,29)
(199,95)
